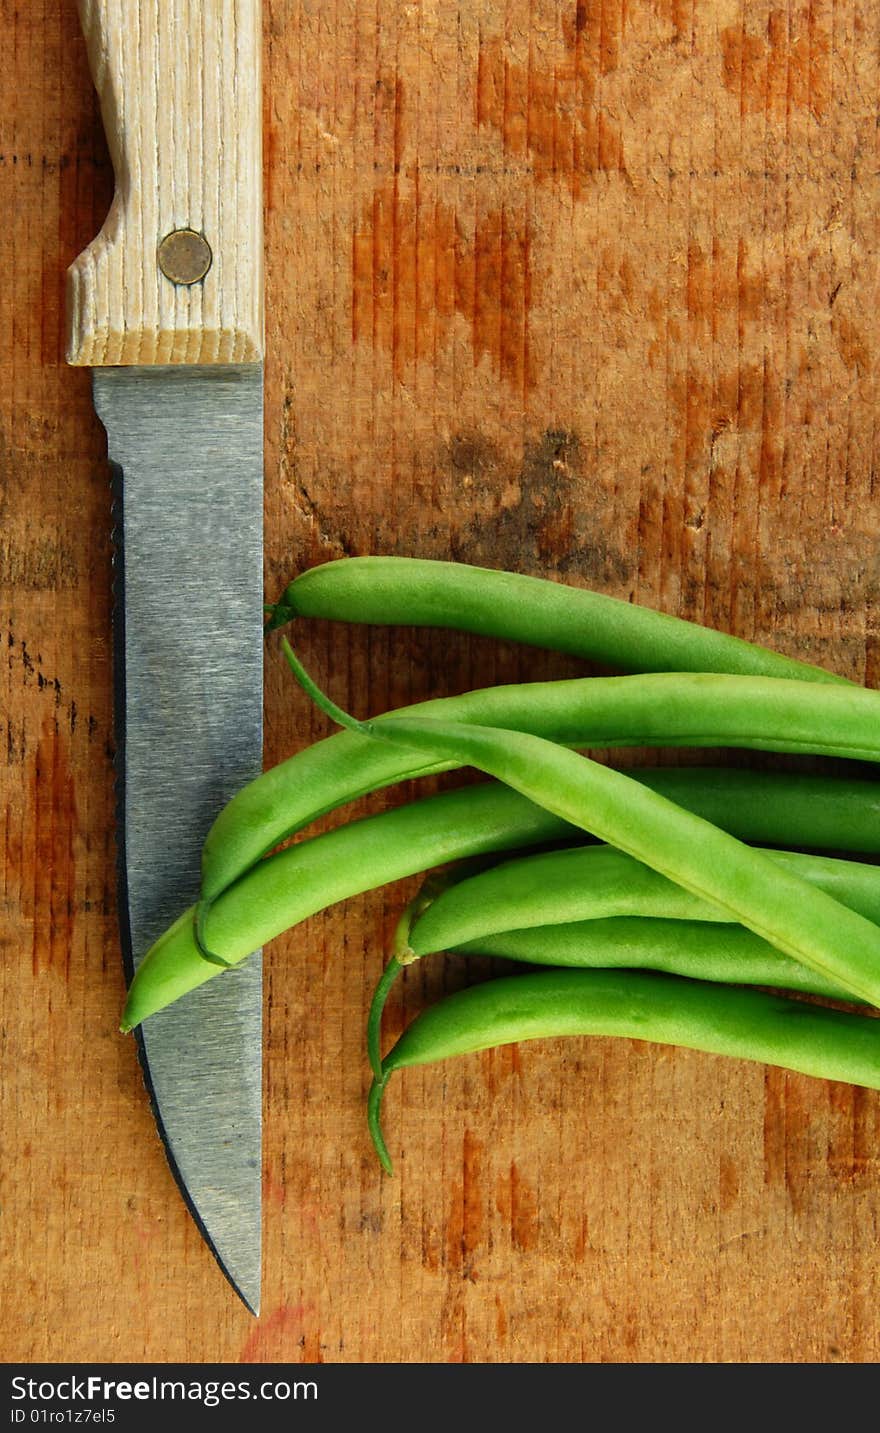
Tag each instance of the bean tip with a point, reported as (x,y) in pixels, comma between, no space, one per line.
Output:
(277,614)
(202,910)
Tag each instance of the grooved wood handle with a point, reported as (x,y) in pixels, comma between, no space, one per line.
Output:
(180,89)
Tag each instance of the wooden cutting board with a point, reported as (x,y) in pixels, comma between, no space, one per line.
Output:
(583,289)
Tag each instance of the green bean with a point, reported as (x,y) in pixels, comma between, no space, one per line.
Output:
(416,592)
(697,1015)
(598,883)
(727,954)
(312,874)
(785,808)
(797,918)
(304,878)
(594,882)
(660,709)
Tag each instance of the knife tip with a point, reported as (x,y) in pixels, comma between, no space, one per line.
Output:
(247,1291)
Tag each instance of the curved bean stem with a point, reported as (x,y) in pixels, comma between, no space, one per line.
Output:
(418,592)
(554,889)
(428,892)
(660,709)
(296,882)
(668,1009)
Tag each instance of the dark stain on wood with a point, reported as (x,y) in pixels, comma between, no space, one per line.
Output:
(789,1136)
(55,819)
(728,1182)
(677,14)
(465,1227)
(851,345)
(852,1145)
(552,118)
(45,565)
(549,511)
(523,1211)
(494,293)
(416,266)
(786,64)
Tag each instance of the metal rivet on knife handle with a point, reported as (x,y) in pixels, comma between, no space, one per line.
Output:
(185,256)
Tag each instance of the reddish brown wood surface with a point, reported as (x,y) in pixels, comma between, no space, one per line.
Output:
(585,289)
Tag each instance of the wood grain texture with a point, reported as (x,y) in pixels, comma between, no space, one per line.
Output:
(586,289)
(180,89)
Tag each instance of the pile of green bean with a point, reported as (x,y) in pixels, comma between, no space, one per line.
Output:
(666,927)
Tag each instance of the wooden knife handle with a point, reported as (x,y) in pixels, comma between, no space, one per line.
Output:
(175,275)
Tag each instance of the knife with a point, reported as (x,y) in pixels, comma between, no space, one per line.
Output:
(166,307)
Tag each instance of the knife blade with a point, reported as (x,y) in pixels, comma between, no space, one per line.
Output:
(165,305)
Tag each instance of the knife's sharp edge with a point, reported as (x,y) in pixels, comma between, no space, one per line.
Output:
(186,451)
